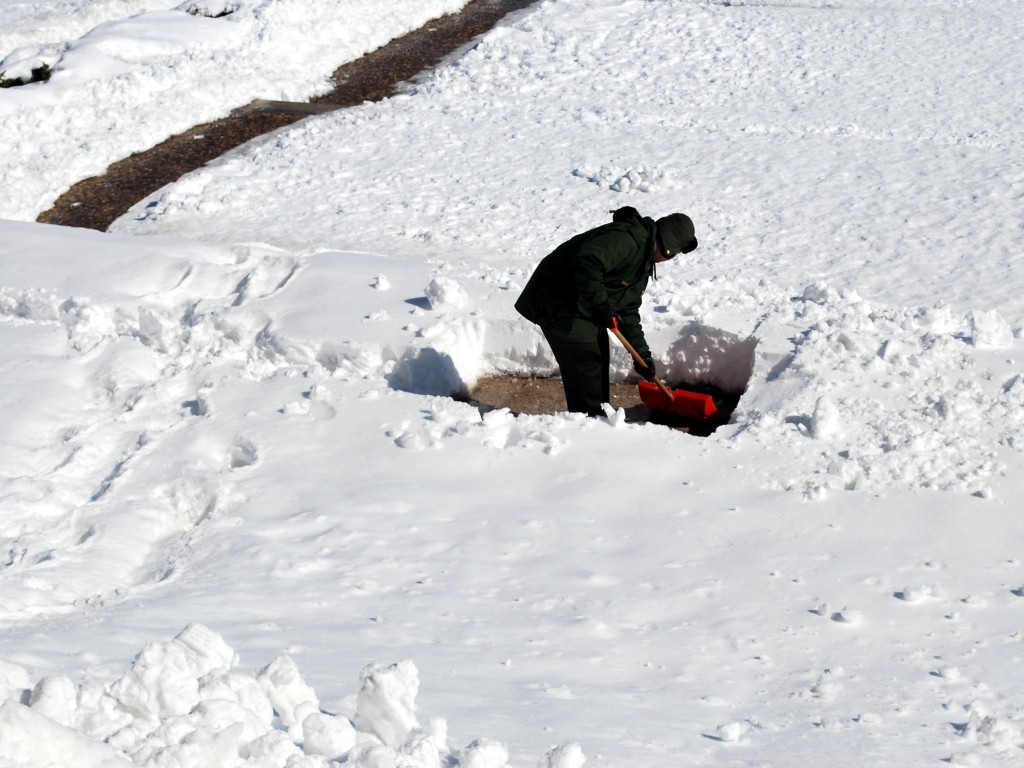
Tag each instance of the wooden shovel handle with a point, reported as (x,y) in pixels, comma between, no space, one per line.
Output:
(636,356)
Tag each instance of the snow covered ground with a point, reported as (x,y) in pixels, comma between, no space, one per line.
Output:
(229,452)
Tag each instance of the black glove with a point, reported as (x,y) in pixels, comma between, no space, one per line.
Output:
(648,372)
(606,317)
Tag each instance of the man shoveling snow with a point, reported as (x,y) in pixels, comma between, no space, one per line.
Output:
(594,282)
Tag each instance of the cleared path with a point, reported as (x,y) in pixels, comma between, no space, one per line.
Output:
(96,202)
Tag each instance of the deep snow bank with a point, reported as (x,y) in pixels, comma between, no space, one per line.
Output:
(184,704)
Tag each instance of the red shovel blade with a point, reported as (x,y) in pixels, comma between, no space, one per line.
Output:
(689,404)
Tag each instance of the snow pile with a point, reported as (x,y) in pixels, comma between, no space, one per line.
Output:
(444,292)
(890,396)
(185,703)
(46,21)
(640,179)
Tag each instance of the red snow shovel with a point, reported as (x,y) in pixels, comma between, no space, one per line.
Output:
(656,396)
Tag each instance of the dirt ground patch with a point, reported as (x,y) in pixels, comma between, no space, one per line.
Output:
(540,395)
(536,396)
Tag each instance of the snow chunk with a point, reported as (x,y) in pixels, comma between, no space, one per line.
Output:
(331,737)
(31,738)
(564,756)
(825,419)
(989,330)
(208,650)
(616,416)
(427,372)
(917,593)
(484,753)
(819,293)
(732,731)
(445,293)
(386,705)
(287,690)
(164,678)
(13,681)
(848,616)
(55,697)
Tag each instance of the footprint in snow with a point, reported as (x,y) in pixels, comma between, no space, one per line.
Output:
(269,275)
(242,454)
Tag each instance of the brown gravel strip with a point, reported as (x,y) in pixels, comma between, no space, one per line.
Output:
(528,395)
(96,202)
(521,394)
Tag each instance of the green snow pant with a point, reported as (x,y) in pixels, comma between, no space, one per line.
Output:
(581,351)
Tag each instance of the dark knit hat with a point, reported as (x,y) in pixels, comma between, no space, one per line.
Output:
(675,234)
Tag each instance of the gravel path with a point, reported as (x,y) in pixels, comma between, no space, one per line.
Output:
(522,394)
(536,396)
(96,202)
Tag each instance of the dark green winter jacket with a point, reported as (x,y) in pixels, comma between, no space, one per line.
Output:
(609,264)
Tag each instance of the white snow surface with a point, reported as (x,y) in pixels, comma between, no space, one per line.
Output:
(243,523)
